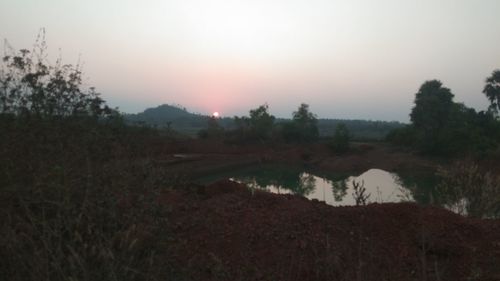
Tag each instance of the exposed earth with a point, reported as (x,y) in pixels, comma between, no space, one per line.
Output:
(225,231)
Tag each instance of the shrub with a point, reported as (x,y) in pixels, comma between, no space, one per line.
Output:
(30,86)
(340,141)
(402,136)
(468,190)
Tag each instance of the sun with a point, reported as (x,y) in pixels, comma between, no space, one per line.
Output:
(215,114)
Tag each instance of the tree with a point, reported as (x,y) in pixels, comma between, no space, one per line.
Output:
(304,125)
(303,116)
(259,126)
(213,130)
(340,141)
(492,90)
(429,116)
(433,103)
(441,126)
(261,122)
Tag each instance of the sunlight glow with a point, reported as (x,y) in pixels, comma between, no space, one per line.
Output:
(237,54)
(242,30)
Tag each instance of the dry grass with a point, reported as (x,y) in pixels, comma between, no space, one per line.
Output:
(469,190)
(79,202)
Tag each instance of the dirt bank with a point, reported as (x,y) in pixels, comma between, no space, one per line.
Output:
(226,232)
(211,156)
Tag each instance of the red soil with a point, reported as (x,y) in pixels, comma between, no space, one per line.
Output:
(226,232)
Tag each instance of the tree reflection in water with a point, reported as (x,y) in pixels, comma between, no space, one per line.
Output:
(335,189)
(339,189)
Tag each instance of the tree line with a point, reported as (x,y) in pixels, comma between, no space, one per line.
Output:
(261,126)
(441,126)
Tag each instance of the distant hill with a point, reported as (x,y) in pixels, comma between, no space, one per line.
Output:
(173,116)
(162,114)
(179,119)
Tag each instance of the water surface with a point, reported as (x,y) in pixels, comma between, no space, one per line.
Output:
(336,189)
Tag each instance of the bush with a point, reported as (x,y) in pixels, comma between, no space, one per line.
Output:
(468,190)
(402,136)
(340,141)
(29,86)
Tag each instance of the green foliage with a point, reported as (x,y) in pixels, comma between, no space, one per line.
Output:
(340,140)
(404,136)
(492,90)
(258,127)
(469,131)
(443,127)
(433,103)
(261,122)
(303,127)
(430,115)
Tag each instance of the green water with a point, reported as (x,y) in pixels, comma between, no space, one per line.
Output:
(335,188)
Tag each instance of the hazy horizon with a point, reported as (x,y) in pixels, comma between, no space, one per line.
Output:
(347,59)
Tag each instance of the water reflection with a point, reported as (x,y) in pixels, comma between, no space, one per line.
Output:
(280,181)
(421,186)
(335,189)
(380,186)
(339,190)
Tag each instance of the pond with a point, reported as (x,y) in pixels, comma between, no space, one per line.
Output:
(335,189)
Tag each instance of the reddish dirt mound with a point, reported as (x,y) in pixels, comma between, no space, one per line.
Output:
(226,232)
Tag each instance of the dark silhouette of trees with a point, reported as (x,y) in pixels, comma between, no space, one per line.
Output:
(242,129)
(441,126)
(239,129)
(433,103)
(30,86)
(258,127)
(492,90)
(213,131)
(303,127)
(261,122)
(429,116)
(340,141)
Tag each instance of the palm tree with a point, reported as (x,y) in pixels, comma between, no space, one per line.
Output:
(492,90)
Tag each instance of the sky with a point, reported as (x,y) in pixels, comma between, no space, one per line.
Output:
(349,59)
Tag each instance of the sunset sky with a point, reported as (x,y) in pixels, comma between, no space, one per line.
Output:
(352,59)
